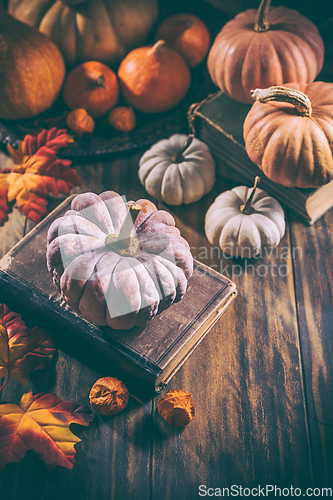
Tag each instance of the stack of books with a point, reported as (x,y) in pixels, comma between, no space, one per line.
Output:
(218,121)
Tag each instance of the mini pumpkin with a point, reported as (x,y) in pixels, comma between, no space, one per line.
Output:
(264,48)
(288,133)
(92,86)
(114,273)
(154,78)
(187,35)
(245,220)
(90,30)
(178,170)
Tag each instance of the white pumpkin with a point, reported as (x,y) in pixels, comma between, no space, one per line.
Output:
(178,170)
(244,221)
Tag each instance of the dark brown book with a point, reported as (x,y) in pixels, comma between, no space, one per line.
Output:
(148,355)
(218,121)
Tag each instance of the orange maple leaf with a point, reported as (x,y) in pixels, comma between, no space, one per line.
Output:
(22,350)
(38,171)
(41,423)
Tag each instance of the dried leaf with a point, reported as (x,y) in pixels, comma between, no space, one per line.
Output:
(41,423)
(22,350)
(38,172)
(3,204)
(53,139)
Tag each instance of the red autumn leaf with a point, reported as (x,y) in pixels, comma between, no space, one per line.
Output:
(38,172)
(53,139)
(3,193)
(41,423)
(22,350)
(3,203)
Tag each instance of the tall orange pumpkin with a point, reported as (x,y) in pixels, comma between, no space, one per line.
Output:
(288,133)
(264,48)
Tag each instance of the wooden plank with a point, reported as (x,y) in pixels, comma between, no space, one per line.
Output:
(111,460)
(246,380)
(314,283)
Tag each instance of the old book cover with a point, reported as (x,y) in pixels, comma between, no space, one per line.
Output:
(147,355)
(218,121)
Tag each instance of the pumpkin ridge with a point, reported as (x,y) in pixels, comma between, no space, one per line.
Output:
(245,64)
(198,169)
(323,174)
(276,55)
(316,97)
(286,47)
(273,232)
(65,273)
(307,145)
(246,222)
(300,146)
(260,134)
(302,47)
(229,54)
(266,148)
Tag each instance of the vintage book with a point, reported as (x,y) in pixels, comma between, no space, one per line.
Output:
(148,356)
(218,121)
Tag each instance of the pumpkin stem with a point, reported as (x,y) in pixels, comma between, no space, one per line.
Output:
(178,156)
(262,23)
(159,45)
(100,81)
(123,242)
(188,23)
(247,208)
(282,94)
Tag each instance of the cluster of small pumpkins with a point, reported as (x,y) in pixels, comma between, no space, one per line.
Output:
(287,132)
(90,36)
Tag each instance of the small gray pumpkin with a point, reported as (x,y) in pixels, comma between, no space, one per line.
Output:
(245,220)
(178,170)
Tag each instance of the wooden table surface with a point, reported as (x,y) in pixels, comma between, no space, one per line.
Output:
(261,380)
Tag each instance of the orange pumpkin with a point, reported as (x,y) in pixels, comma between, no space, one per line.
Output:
(154,78)
(32,69)
(264,48)
(187,35)
(288,133)
(92,86)
(90,30)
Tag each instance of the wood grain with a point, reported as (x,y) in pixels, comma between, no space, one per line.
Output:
(256,422)
(246,380)
(314,284)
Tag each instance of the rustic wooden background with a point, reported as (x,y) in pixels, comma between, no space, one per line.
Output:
(261,380)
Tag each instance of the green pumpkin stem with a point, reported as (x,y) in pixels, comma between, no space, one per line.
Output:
(262,23)
(123,242)
(247,208)
(178,157)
